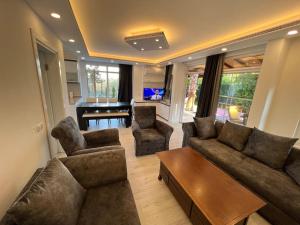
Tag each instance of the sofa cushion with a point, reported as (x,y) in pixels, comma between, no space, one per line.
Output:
(205,127)
(273,185)
(292,166)
(145,116)
(110,205)
(55,197)
(69,136)
(234,135)
(219,126)
(223,155)
(268,148)
(151,136)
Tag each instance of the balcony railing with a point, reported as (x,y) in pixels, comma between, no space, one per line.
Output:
(234,109)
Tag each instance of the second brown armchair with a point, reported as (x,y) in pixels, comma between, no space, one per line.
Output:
(150,135)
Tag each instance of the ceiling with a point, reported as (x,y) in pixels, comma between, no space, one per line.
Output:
(235,63)
(66,27)
(191,27)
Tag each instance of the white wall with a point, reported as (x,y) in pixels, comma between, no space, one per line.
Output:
(178,92)
(22,150)
(154,76)
(276,105)
(178,89)
(285,108)
(269,77)
(138,82)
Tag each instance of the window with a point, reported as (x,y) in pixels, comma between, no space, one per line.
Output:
(236,94)
(237,87)
(103,81)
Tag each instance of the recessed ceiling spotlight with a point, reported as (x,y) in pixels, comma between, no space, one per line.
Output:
(224,49)
(142,49)
(292,32)
(83,58)
(112,61)
(136,40)
(190,57)
(55,15)
(160,47)
(136,63)
(71,40)
(78,51)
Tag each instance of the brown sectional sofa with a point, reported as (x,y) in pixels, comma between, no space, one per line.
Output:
(87,189)
(276,187)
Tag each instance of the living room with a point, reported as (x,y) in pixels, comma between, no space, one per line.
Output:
(99,99)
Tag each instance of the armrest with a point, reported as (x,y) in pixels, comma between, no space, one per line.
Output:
(135,128)
(99,168)
(165,130)
(99,149)
(100,138)
(189,130)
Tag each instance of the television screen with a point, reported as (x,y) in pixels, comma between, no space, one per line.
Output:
(153,94)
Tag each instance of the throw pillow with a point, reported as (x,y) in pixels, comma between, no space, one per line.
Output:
(205,127)
(69,135)
(292,166)
(234,135)
(268,148)
(54,198)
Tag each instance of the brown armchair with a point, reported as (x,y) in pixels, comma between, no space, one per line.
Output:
(150,135)
(75,143)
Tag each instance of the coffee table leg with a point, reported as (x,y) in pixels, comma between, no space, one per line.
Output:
(159,177)
(246,221)
(243,222)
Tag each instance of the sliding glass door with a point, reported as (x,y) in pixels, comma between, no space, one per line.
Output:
(193,84)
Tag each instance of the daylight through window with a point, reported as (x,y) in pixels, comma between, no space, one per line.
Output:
(103,81)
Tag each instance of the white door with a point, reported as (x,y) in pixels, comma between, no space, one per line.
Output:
(50,122)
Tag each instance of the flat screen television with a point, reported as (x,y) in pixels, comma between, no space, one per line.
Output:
(153,94)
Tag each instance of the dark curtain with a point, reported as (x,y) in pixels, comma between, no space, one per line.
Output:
(125,83)
(168,75)
(209,92)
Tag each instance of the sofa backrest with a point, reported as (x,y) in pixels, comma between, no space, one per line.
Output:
(292,165)
(7,220)
(294,155)
(145,116)
(69,136)
(52,192)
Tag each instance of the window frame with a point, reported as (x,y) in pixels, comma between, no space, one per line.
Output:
(107,81)
(239,71)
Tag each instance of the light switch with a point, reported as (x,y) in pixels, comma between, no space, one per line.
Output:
(38,128)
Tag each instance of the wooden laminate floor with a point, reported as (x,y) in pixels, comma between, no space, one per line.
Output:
(155,203)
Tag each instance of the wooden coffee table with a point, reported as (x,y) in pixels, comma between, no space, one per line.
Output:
(207,194)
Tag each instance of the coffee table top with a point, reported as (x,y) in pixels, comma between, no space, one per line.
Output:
(222,200)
